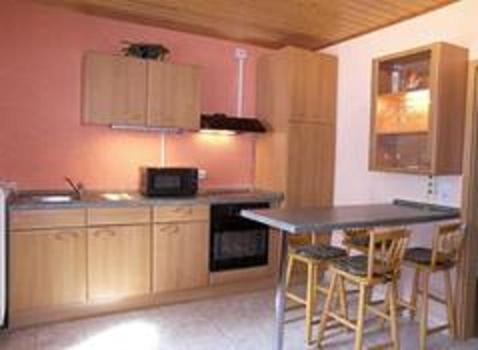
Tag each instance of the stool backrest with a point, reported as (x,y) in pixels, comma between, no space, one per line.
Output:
(355,232)
(447,243)
(386,250)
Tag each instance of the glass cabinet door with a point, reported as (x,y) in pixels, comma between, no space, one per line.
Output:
(402,118)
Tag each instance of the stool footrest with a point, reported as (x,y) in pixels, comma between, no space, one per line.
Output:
(433,297)
(296,298)
(438,329)
(343,320)
(378,312)
(381,346)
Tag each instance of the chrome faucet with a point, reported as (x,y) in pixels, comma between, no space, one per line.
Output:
(78,188)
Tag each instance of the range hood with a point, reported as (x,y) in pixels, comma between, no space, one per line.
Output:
(223,123)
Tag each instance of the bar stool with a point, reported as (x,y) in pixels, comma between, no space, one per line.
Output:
(381,266)
(442,257)
(356,239)
(316,258)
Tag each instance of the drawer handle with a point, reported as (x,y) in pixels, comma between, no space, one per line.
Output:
(169,229)
(65,234)
(184,210)
(98,233)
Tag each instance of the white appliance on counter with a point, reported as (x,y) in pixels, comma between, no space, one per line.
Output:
(3,259)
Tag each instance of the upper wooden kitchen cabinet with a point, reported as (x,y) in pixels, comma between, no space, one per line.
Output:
(296,85)
(119,90)
(114,90)
(296,97)
(418,110)
(173,96)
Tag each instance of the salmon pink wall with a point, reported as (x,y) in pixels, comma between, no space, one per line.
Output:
(41,138)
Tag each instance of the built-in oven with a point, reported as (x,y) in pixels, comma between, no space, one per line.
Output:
(237,242)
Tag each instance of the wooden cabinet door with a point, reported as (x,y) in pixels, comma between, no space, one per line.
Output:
(311,164)
(314,86)
(174,100)
(119,261)
(114,90)
(47,268)
(180,256)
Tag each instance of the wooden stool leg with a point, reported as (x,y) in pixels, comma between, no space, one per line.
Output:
(343,299)
(413,297)
(360,317)
(369,294)
(424,311)
(394,330)
(310,300)
(386,306)
(450,305)
(290,267)
(325,313)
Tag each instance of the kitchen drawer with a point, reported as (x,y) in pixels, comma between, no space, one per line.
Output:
(118,216)
(47,218)
(180,213)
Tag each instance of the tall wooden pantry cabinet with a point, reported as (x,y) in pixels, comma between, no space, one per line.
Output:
(296,98)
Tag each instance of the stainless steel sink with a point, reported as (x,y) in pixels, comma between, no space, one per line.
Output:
(48,197)
(54,199)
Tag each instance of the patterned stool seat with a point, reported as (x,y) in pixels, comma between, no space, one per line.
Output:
(423,256)
(319,251)
(357,265)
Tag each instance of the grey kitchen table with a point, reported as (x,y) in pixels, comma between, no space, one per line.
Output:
(292,221)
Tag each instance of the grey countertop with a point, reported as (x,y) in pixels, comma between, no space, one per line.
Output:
(400,212)
(26,200)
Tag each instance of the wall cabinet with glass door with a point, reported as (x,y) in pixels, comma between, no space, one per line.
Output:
(418,110)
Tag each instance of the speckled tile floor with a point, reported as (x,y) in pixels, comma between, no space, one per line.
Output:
(239,322)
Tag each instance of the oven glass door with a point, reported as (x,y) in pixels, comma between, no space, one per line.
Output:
(233,249)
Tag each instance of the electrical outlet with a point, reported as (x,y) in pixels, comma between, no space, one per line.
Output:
(445,192)
(202,174)
(240,53)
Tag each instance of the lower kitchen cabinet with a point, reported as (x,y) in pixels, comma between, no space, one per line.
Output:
(180,258)
(119,261)
(47,268)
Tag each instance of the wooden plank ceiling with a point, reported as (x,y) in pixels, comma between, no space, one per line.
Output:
(271,23)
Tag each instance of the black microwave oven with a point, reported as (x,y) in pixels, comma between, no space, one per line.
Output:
(169,182)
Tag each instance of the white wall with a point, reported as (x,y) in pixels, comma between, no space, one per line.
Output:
(456,23)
